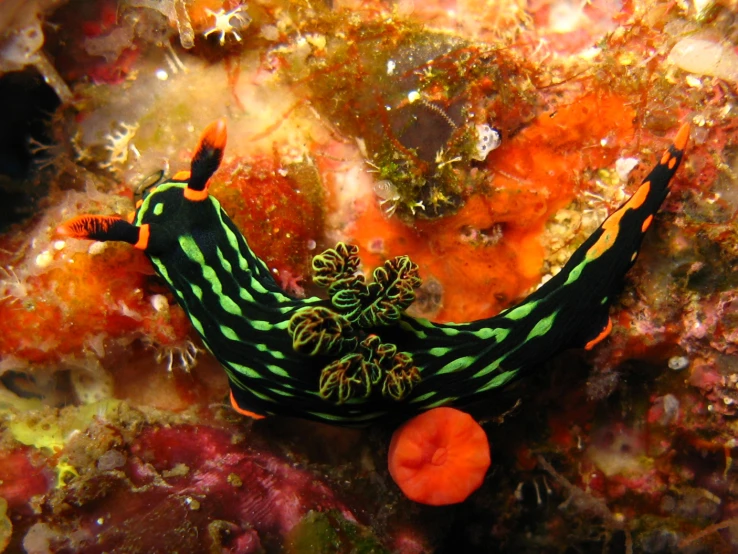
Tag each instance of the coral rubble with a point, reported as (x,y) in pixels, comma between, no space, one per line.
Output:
(127,480)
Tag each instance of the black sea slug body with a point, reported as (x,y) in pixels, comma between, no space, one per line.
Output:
(356,357)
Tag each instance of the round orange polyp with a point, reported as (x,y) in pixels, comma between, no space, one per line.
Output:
(439,457)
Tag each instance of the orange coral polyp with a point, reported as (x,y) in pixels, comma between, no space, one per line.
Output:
(439,457)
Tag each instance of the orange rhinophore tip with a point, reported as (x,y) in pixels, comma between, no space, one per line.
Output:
(682,136)
(439,457)
(214,136)
(205,161)
(86,226)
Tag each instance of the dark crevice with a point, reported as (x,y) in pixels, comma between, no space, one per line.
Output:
(27,103)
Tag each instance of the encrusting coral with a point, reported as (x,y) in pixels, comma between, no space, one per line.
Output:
(152,482)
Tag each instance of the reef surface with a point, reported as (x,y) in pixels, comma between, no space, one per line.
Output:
(486,140)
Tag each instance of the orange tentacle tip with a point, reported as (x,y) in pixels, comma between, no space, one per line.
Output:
(439,457)
(214,136)
(682,136)
(83,226)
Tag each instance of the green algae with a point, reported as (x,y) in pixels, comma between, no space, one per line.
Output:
(412,97)
(331,533)
(51,431)
(6,526)
(39,434)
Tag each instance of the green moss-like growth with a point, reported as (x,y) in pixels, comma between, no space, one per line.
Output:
(331,533)
(413,97)
(6,526)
